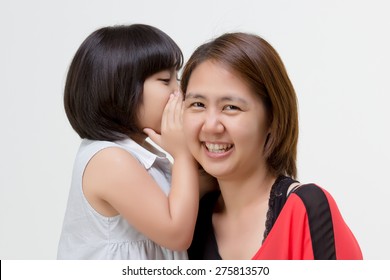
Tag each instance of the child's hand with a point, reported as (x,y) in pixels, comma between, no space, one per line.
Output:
(172,137)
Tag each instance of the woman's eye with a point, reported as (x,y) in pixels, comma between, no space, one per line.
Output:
(231,107)
(197,105)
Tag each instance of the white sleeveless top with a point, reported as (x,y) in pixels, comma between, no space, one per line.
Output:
(86,234)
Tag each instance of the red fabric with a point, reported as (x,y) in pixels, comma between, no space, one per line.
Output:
(289,238)
(347,247)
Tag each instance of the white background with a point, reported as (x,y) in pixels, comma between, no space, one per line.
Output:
(337,54)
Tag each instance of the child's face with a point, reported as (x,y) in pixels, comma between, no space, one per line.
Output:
(157,89)
(225,122)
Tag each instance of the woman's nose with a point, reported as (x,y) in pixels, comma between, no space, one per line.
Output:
(212,123)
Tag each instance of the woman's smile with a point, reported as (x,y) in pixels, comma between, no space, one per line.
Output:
(217,150)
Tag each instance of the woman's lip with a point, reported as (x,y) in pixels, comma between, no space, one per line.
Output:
(217,155)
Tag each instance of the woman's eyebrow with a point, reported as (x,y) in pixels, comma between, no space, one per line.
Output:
(234,99)
(222,98)
(194,96)
(227,98)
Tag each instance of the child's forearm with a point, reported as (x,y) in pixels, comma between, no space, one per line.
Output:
(183,200)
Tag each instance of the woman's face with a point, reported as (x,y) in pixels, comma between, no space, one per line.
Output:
(157,89)
(225,122)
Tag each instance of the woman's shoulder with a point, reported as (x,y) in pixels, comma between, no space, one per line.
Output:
(311,194)
(315,201)
(325,222)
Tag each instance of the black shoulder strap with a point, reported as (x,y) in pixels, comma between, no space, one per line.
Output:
(320,221)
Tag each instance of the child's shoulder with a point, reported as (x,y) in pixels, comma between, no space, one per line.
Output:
(106,154)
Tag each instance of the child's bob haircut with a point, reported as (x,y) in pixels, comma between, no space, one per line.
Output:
(104,85)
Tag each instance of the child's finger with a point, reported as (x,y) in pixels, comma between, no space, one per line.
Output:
(166,113)
(156,138)
(178,101)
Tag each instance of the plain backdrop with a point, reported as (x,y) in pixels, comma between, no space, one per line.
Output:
(337,54)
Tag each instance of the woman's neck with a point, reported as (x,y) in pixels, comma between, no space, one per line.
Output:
(238,195)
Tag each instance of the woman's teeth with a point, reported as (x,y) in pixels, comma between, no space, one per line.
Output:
(218,148)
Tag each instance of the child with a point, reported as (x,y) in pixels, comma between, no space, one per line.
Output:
(123,203)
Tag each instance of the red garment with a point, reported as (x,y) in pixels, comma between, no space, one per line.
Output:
(303,225)
(290,237)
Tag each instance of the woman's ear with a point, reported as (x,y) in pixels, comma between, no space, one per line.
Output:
(267,139)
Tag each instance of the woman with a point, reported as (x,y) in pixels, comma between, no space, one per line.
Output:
(241,124)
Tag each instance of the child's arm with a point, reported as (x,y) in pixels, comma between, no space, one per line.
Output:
(116,180)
